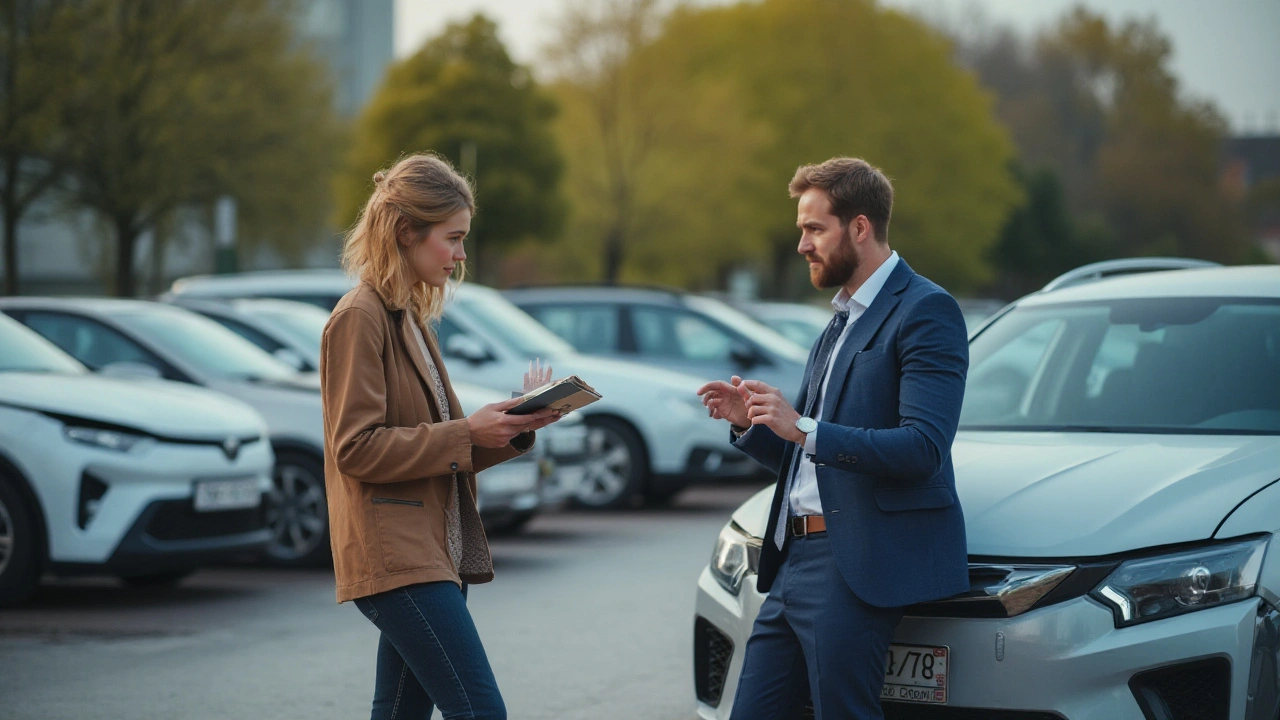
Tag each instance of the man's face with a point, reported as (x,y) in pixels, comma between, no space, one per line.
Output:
(824,242)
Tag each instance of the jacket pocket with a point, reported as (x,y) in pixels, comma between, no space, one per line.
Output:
(402,527)
(933,497)
(395,501)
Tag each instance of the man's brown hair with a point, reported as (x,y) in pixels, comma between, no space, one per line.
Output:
(855,188)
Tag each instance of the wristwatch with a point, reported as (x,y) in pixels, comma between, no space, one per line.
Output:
(806,425)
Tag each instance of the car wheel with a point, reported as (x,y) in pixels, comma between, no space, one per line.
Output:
(616,466)
(19,560)
(168,578)
(297,512)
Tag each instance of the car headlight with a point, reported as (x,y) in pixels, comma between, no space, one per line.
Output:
(1159,587)
(737,554)
(109,439)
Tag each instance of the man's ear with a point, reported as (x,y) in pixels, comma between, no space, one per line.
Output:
(862,229)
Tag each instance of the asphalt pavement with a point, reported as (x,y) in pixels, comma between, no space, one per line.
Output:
(590,616)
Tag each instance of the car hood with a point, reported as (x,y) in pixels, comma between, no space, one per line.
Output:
(1029,494)
(291,408)
(753,515)
(159,407)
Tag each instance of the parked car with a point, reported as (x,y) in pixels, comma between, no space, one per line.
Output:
(648,438)
(146,481)
(151,339)
(292,332)
(801,323)
(1122,499)
(700,336)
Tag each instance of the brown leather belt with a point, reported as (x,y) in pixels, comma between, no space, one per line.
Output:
(806,525)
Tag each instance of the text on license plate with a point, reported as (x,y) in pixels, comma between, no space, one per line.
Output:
(916,674)
(234,494)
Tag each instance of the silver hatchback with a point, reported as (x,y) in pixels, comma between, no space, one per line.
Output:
(1119,466)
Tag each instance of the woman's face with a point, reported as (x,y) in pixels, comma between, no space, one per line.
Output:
(434,258)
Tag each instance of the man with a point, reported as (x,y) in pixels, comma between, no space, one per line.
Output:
(865,519)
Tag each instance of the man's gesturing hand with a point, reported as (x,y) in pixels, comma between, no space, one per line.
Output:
(766,406)
(724,402)
(492,427)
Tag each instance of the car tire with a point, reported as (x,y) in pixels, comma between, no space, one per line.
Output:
(617,466)
(168,578)
(297,512)
(19,545)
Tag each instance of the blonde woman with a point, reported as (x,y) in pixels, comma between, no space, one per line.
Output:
(400,458)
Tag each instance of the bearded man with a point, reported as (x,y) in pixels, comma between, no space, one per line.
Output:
(865,520)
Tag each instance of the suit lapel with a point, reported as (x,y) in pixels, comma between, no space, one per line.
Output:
(863,330)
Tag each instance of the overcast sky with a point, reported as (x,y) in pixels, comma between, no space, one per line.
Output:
(1227,51)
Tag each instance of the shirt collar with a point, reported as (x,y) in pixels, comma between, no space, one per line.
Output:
(844,302)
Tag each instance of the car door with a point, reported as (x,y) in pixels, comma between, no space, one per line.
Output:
(92,342)
(593,329)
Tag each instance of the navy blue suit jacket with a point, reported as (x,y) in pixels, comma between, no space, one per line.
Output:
(884,449)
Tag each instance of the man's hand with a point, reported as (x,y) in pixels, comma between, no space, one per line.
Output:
(723,401)
(492,427)
(766,406)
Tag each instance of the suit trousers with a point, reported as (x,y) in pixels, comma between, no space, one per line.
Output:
(814,639)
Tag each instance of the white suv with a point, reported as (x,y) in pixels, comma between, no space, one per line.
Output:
(1118,462)
(144,480)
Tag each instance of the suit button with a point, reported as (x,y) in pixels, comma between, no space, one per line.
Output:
(840,457)
(853,459)
(453,467)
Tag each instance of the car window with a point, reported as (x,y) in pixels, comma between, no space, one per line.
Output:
(93,343)
(1148,365)
(509,324)
(257,338)
(22,350)
(589,328)
(203,344)
(668,332)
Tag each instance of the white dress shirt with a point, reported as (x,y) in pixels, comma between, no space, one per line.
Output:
(804,489)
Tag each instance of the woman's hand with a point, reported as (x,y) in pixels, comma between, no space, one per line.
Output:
(492,427)
(537,376)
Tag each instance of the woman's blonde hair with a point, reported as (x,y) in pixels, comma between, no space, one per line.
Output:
(408,198)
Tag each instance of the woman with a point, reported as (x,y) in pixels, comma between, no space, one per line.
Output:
(400,458)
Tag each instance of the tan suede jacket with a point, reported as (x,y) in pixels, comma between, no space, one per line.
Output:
(389,460)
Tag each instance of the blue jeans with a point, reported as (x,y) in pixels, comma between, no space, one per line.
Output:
(813,637)
(430,655)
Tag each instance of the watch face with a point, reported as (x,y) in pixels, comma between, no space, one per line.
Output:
(806,425)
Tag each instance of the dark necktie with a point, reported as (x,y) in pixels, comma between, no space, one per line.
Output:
(816,373)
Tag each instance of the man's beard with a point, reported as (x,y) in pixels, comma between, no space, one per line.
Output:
(836,270)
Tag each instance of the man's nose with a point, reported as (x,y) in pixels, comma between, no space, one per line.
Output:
(806,245)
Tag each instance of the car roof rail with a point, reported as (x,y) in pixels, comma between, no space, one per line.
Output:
(1124,266)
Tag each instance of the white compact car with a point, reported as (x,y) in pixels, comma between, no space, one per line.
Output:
(146,481)
(649,437)
(1118,463)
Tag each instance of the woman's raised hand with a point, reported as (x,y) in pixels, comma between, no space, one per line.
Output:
(492,427)
(537,376)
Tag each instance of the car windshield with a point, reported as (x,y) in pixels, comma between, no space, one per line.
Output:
(749,328)
(204,344)
(1173,365)
(23,350)
(304,324)
(513,326)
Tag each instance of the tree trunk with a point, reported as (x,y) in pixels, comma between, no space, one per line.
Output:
(783,259)
(159,243)
(126,243)
(613,248)
(10,249)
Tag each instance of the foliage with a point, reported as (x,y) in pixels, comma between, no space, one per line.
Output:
(726,102)
(189,100)
(461,95)
(1099,106)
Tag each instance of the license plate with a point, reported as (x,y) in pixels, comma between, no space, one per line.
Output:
(235,494)
(916,674)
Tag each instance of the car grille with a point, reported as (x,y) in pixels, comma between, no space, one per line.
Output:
(712,653)
(178,520)
(1001,590)
(1197,690)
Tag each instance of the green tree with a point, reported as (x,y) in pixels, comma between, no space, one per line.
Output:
(755,89)
(1098,104)
(463,97)
(38,84)
(190,100)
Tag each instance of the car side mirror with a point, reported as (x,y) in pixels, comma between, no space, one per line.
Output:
(467,348)
(290,357)
(128,370)
(745,356)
